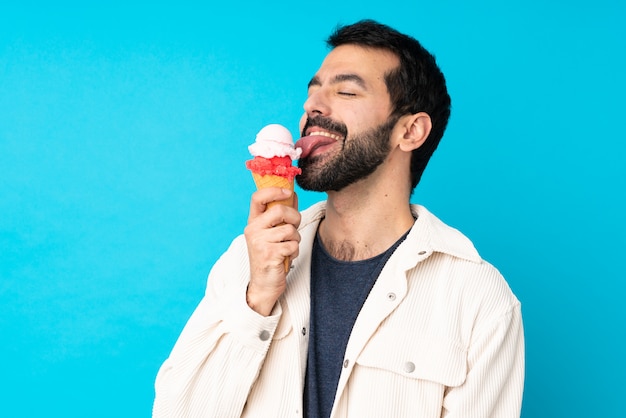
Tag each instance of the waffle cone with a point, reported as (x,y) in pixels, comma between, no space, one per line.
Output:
(263,182)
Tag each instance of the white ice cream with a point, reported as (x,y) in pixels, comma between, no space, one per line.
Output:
(274,141)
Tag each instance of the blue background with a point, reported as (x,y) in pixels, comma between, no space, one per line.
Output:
(123,132)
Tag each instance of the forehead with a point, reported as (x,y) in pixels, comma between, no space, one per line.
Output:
(371,64)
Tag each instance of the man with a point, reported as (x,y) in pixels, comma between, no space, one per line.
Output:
(386,311)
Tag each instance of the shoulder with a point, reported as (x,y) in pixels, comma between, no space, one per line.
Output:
(455,267)
(442,237)
(311,218)
(313,213)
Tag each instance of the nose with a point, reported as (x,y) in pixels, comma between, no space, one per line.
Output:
(317,103)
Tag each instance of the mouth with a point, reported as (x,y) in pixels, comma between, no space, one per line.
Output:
(317,140)
(318,132)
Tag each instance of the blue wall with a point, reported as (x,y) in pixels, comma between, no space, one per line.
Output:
(123,132)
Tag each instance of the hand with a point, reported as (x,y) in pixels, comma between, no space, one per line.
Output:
(271,236)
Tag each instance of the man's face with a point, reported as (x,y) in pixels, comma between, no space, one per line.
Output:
(346,124)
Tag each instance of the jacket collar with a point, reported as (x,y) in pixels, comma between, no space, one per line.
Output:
(432,232)
(428,235)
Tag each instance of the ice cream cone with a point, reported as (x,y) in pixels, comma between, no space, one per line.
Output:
(272,166)
(265,181)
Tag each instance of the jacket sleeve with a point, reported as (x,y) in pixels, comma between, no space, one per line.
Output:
(221,349)
(495,378)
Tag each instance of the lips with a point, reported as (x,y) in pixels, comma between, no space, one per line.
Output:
(316,139)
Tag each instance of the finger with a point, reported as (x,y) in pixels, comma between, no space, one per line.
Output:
(261,240)
(288,215)
(261,198)
(284,232)
(276,216)
(272,257)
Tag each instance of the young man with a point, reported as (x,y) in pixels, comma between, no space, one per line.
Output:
(386,312)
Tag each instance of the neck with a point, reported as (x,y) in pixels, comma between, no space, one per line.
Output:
(364,220)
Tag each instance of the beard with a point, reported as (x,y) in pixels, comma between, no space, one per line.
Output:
(359,157)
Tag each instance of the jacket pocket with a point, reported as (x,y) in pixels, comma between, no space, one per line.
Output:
(424,358)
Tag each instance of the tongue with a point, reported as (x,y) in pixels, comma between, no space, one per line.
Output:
(308,143)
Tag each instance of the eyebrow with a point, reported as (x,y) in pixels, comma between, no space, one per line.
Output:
(315,81)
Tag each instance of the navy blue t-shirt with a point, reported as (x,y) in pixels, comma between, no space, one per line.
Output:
(338,291)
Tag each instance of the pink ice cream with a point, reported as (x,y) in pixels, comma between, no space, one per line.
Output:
(274,152)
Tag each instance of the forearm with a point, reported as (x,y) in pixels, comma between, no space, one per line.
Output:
(219,353)
(214,363)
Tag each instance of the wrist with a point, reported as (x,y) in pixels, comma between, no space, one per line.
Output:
(259,302)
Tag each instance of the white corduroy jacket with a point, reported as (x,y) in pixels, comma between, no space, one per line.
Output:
(440,335)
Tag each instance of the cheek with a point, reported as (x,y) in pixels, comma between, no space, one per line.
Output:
(360,120)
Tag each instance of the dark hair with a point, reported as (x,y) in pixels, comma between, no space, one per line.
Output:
(417,85)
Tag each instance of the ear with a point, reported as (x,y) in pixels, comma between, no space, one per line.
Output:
(416,129)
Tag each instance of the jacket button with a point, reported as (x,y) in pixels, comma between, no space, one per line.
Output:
(303,331)
(391,296)
(409,367)
(346,363)
(264,335)
(421,253)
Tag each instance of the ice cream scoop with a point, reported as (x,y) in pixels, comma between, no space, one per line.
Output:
(274,152)
(274,141)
